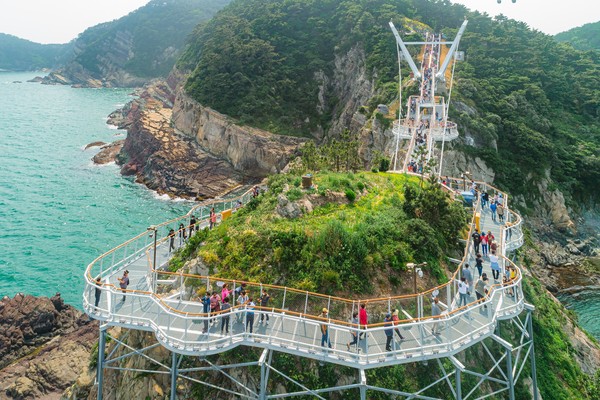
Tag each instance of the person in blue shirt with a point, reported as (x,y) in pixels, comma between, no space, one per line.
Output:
(493,209)
(250,315)
(205,309)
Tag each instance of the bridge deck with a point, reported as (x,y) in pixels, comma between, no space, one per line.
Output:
(293,327)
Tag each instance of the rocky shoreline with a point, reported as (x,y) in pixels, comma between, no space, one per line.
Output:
(45,347)
(177,147)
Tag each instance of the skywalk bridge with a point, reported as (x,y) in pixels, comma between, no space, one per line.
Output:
(163,302)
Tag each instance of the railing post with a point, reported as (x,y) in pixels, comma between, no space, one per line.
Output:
(284,294)
(306,302)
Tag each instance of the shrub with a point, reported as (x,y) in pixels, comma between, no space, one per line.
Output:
(294,194)
(360,186)
(374,170)
(384,164)
(350,195)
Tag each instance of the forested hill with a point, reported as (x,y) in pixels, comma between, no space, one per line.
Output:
(141,45)
(530,104)
(18,54)
(586,37)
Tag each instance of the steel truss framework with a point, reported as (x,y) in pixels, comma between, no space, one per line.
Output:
(507,357)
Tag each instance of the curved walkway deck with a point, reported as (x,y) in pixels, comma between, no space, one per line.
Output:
(157,301)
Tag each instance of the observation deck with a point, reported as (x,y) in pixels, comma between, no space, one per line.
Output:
(162,302)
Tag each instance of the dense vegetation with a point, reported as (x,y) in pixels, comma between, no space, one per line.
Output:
(533,104)
(157,32)
(22,55)
(349,248)
(554,351)
(586,37)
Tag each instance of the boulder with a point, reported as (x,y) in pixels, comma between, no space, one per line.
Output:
(108,152)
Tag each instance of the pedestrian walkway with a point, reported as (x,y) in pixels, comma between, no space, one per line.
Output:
(159,301)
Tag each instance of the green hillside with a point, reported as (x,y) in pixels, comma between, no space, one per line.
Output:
(22,55)
(586,37)
(147,41)
(361,247)
(537,101)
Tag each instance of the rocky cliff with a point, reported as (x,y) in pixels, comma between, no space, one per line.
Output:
(44,346)
(176,146)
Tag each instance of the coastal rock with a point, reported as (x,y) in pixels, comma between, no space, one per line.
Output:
(44,346)
(95,144)
(108,152)
(28,322)
(167,162)
(253,152)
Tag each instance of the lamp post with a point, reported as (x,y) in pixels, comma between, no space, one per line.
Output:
(416,270)
(153,232)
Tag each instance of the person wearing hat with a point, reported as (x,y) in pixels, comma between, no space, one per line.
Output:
(389,331)
(480,288)
(325,330)
(396,320)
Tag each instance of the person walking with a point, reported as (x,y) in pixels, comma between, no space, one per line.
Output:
(396,321)
(241,300)
(124,282)
(213,218)
(192,225)
(500,211)
(476,240)
(264,301)
(462,292)
(495,266)
(389,331)
(353,332)
(225,315)
(205,309)
(466,273)
(250,315)
(181,234)
(436,311)
(215,304)
(98,290)
(484,200)
(479,264)
(484,244)
(363,319)
(493,207)
(171,240)
(325,329)
(225,292)
(480,290)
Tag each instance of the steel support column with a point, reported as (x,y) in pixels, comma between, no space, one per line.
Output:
(509,372)
(363,385)
(174,376)
(532,352)
(457,377)
(100,372)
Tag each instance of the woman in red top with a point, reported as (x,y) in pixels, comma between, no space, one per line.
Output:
(363,318)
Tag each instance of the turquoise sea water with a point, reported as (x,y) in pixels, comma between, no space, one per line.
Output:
(587,307)
(58,211)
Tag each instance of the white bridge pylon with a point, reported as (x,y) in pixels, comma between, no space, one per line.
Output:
(426,118)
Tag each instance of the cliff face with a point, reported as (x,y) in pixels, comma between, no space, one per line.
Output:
(44,346)
(252,152)
(176,146)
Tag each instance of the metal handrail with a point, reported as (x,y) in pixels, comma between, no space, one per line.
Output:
(420,296)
